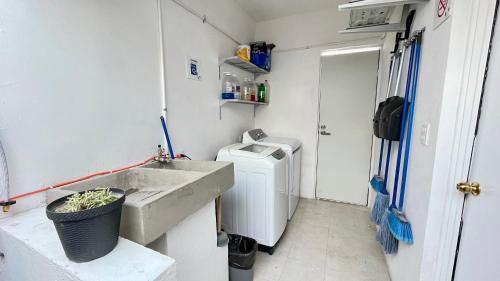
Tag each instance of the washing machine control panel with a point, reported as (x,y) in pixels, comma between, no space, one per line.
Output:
(257,134)
(279,154)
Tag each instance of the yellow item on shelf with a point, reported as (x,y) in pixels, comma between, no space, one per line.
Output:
(243,52)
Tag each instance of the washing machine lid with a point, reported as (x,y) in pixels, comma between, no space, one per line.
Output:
(258,136)
(253,150)
(286,143)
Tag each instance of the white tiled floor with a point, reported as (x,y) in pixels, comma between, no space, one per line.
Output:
(325,241)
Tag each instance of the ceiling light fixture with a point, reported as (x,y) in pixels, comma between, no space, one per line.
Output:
(337,52)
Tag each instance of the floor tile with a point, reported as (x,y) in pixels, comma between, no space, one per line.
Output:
(268,267)
(325,241)
(302,271)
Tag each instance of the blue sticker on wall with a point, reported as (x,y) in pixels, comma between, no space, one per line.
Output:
(193,69)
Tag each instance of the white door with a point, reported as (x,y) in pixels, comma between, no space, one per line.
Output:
(348,88)
(479,246)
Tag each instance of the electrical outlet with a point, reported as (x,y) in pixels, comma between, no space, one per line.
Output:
(424,134)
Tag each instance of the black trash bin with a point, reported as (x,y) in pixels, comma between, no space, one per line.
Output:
(242,253)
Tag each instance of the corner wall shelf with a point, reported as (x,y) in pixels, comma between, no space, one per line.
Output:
(224,102)
(366,4)
(245,65)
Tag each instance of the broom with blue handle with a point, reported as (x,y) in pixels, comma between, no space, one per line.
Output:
(399,225)
(384,235)
(378,182)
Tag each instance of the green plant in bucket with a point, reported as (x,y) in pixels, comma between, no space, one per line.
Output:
(88,200)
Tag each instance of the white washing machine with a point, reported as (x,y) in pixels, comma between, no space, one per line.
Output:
(293,149)
(257,205)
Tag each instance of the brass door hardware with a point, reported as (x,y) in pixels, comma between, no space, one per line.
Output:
(473,188)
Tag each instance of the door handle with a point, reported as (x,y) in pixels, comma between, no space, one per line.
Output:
(324,133)
(473,188)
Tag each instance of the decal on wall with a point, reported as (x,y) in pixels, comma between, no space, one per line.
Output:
(442,11)
(193,69)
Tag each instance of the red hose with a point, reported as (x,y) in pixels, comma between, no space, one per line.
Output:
(61,184)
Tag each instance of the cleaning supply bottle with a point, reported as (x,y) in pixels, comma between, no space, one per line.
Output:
(246,92)
(261,95)
(237,87)
(227,86)
(268,91)
(253,91)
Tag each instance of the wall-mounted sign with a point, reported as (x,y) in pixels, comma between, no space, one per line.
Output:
(193,69)
(442,11)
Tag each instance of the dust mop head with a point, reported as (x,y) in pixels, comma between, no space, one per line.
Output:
(377,183)
(381,204)
(385,237)
(400,227)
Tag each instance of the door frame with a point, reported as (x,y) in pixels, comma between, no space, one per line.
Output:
(471,30)
(378,45)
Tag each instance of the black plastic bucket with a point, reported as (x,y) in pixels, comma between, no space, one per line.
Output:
(89,234)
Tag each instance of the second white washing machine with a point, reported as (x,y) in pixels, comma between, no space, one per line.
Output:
(257,205)
(293,149)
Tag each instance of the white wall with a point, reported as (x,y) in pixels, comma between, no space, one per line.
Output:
(193,106)
(308,29)
(193,244)
(406,265)
(80,88)
(294,79)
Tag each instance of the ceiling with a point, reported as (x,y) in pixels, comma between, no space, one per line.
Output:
(263,10)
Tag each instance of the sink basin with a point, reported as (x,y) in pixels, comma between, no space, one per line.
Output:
(160,195)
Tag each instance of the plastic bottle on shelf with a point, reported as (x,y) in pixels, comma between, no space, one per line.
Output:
(227,86)
(261,94)
(253,91)
(246,92)
(237,87)
(268,91)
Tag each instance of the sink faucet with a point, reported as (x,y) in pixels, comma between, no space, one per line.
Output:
(162,156)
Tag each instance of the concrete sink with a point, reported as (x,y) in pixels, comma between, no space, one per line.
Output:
(160,195)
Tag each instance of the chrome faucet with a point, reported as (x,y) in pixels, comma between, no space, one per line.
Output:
(162,156)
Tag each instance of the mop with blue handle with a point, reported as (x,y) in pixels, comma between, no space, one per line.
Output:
(377,182)
(399,225)
(382,199)
(384,235)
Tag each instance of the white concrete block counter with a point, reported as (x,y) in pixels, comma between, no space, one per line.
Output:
(32,252)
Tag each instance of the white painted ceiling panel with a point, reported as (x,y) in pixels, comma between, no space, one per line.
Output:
(264,10)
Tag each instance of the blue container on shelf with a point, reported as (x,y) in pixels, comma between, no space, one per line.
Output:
(261,54)
(260,59)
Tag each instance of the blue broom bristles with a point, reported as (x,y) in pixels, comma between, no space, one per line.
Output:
(377,183)
(400,227)
(381,204)
(385,237)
